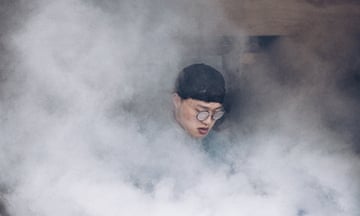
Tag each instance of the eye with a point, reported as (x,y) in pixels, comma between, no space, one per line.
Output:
(218,115)
(202,115)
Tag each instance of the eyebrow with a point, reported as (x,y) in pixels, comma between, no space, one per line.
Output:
(207,108)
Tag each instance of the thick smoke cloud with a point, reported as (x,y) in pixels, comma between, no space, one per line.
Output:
(87,128)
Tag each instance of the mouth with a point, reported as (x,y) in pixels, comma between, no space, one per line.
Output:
(203,131)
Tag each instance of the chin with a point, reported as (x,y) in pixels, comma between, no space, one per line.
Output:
(198,136)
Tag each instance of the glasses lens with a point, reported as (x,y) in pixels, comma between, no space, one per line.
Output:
(201,116)
(217,115)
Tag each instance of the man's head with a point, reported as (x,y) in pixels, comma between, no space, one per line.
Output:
(198,98)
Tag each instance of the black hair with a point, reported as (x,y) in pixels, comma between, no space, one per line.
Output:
(201,82)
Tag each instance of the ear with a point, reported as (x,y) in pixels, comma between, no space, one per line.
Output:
(176,100)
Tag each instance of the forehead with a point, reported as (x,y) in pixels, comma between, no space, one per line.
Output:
(203,104)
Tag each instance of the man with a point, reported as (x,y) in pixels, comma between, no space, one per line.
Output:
(198,99)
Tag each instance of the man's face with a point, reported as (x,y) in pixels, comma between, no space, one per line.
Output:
(186,111)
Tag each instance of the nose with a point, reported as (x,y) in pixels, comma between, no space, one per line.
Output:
(208,120)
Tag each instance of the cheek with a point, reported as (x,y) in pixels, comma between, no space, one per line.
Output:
(212,125)
(188,116)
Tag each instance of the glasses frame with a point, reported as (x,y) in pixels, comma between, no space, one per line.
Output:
(213,116)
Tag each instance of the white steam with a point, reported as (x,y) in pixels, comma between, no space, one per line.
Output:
(86,124)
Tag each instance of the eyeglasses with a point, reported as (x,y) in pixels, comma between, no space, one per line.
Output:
(203,115)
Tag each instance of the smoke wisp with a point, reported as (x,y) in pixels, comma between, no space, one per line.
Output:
(87,128)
